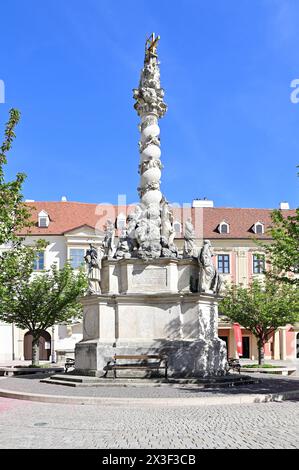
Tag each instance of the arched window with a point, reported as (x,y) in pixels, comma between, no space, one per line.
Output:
(223,227)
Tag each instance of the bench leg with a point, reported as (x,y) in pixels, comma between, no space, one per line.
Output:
(114,373)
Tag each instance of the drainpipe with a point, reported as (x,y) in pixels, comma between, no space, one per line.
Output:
(13,341)
(53,359)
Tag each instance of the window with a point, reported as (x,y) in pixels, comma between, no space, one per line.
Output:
(43,219)
(77,257)
(223,264)
(223,227)
(258,264)
(43,222)
(121,221)
(39,262)
(177,227)
(258,228)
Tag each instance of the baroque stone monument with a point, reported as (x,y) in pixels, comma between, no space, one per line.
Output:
(144,297)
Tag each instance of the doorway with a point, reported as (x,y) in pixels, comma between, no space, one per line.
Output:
(44,346)
(246,347)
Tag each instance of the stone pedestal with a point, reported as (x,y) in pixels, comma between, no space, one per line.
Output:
(147,307)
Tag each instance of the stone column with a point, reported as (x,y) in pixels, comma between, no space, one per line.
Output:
(150,107)
(276,345)
(283,344)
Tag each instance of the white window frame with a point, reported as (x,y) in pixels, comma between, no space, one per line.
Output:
(255,259)
(221,225)
(44,267)
(260,224)
(43,215)
(75,248)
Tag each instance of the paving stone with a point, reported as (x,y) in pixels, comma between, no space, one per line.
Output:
(256,425)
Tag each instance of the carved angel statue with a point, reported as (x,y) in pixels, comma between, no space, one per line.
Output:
(189,236)
(210,281)
(93,260)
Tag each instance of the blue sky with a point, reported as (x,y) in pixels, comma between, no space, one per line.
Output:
(231,132)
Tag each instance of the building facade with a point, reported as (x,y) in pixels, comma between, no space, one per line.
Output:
(69,227)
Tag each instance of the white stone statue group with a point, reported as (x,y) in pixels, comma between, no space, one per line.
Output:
(134,238)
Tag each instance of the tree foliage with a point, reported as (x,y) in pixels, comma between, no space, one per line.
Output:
(37,302)
(261,308)
(14,214)
(32,302)
(15,259)
(283,252)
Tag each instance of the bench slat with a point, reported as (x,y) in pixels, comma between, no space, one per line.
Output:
(141,356)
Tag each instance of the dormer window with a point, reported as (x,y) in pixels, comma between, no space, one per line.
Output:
(43,219)
(258,228)
(121,221)
(224,227)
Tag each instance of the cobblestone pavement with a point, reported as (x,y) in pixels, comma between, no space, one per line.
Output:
(42,425)
(32,384)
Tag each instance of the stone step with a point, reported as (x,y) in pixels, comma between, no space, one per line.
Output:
(74,378)
(68,383)
(85,381)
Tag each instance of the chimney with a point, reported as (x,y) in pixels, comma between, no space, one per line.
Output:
(63,199)
(202,202)
(284,205)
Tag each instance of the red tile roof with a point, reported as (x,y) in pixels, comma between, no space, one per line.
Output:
(67,216)
(240,222)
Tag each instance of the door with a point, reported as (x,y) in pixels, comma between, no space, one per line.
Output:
(246,347)
(44,346)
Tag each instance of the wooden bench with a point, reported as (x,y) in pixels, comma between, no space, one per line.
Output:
(144,361)
(233,364)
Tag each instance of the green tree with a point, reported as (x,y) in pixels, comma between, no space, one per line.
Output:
(37,302)
(14,214)
(283,252)
(15,258)
(261,308)
(32,302)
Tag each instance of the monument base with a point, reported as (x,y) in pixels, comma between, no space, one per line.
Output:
(148,308)
(186,358)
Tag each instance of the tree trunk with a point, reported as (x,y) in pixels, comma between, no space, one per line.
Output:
(261,352)
(35,351)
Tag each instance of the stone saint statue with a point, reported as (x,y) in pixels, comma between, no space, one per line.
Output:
(123,246)
(210,281)
(189,236)
(167,230)
(108,242)
(93,261)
